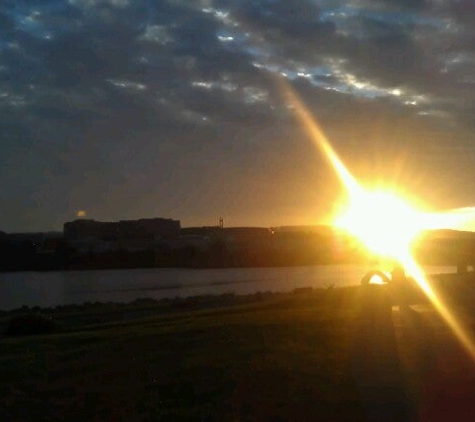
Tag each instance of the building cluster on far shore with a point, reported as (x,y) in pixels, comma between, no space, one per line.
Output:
(129,235)
(86,243)
(156,233)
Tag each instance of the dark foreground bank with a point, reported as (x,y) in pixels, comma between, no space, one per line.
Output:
(307,355)
(264,357)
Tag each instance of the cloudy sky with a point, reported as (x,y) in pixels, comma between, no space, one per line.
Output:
(142,108)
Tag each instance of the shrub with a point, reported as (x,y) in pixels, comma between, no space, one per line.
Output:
(32,324)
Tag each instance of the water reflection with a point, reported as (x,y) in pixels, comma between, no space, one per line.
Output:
(48,289)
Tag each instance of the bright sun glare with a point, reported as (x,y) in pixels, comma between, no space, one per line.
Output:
(384,221)
(387,224)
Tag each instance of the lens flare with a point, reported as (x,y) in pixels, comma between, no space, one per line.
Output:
(385,223)
(383,220)
(457,328)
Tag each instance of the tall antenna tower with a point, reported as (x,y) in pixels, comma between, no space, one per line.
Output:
(221,222)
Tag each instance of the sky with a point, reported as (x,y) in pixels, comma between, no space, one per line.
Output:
(125,109)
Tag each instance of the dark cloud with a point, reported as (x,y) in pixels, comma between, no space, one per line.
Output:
(299,19)
(406,4)
(6,23)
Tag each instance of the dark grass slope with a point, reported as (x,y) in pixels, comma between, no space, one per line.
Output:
(283,358)
(336,354)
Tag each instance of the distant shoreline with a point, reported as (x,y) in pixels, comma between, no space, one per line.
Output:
(283,265)
(216,299)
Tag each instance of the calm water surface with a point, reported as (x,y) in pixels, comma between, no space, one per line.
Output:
(47,289)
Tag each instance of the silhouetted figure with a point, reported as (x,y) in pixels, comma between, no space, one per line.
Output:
(399,284)
(375,362)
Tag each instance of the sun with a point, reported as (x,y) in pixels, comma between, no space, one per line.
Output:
(386,223)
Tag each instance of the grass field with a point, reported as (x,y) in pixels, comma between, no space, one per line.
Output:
(336,354)
(264,358)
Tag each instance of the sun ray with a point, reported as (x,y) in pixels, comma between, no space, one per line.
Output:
(318,138)
(456,326)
